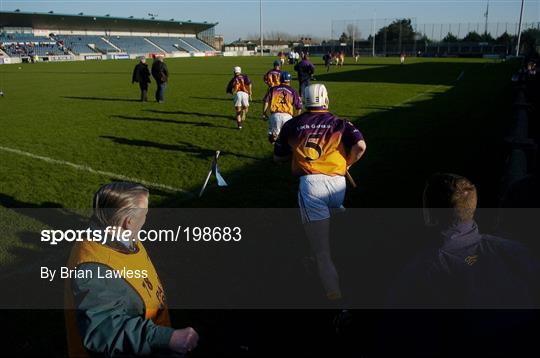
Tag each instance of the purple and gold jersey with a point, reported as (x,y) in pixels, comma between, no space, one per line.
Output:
(318,142)
(283,99)
(239,83)
(272,78)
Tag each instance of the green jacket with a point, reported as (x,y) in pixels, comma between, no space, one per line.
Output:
(110,317)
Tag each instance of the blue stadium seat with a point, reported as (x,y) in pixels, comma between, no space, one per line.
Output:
(23,45)
(81,44)
(133,45)
(169,44)
(198,44)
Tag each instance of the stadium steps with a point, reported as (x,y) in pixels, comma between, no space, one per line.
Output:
(153,44)
(113,45)
(180,48)
(188,46)
(93,50)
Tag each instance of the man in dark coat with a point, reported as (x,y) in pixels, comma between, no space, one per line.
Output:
(141,74)
(160,72)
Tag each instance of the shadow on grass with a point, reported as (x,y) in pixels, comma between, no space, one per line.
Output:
(459,130)
(23,278)
(229,99)
(425,73)
(164,120)
(31,253)
(191,114)
(107,99)
(184,147)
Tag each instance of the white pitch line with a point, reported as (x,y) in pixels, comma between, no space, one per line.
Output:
(93,171)
(418,95)
(459,78)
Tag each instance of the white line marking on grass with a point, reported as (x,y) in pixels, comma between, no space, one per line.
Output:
(418,95)
(459,78)
(94,171)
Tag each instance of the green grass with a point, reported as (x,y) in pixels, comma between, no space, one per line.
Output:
(417,119)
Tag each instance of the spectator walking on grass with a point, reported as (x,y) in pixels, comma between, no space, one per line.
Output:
(160,72)
(141,75)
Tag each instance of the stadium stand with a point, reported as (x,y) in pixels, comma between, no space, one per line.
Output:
(23,45)
(133,45)
(85,44)
(197,44)
(75,43)
(169,44)
(44,34)
(100,44)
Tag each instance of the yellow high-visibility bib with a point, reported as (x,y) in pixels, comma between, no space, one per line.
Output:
(149,289)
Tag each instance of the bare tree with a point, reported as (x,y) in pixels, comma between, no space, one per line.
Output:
(283,36)
(352,32)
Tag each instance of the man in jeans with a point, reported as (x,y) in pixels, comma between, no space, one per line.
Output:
(160,72)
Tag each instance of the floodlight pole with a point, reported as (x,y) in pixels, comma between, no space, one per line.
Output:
(519,31)
(373,31)
(261,26)
(352,35)
(486,15)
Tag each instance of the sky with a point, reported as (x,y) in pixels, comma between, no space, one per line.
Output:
(240,18)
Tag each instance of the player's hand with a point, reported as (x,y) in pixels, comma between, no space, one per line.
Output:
(250,98)
(183,340)
(265,117)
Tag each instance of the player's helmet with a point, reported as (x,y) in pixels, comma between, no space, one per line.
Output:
(285,76)
(277,63)
(237,69)
(316,95)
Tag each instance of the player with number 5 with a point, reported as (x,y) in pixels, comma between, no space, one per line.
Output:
(322,147)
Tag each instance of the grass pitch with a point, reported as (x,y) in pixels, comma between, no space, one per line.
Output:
(60,119)
(417,119)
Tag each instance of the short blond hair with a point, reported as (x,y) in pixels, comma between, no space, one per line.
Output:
(114,202)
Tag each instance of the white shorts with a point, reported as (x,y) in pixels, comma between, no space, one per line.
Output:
(277,120)
(318,193)
(241,99)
